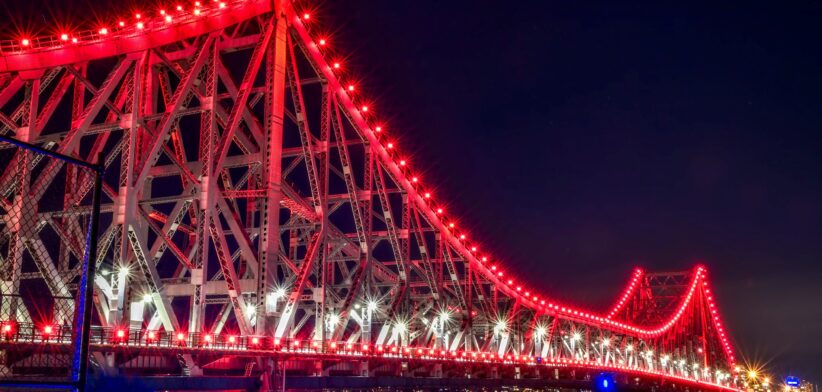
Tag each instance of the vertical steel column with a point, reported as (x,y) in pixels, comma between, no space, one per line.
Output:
(208,189)
(269,249)
(20,229)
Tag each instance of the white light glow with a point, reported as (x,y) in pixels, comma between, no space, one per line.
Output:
(445,316)
(500,327)
(371,306)
(333,319)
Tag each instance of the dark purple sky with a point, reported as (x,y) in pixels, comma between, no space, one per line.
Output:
(580,139)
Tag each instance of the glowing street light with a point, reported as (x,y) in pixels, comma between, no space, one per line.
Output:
(445,316)
(333,319)
(124,271)
(331,322)
(500,327)
(371,305)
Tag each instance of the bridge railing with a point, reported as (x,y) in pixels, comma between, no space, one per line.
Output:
(127,27)
(54,339)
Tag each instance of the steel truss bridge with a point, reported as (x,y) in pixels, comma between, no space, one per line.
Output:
(257,221)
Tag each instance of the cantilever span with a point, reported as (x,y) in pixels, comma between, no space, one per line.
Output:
(253,207)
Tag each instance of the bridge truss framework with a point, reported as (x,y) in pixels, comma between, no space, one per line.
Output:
(255,211)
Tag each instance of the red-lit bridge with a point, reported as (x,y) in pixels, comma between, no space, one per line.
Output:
(258,224)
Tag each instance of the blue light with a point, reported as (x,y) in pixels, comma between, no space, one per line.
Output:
(604,382)
(792,381)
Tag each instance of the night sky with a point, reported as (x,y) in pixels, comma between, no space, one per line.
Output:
(578,140)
